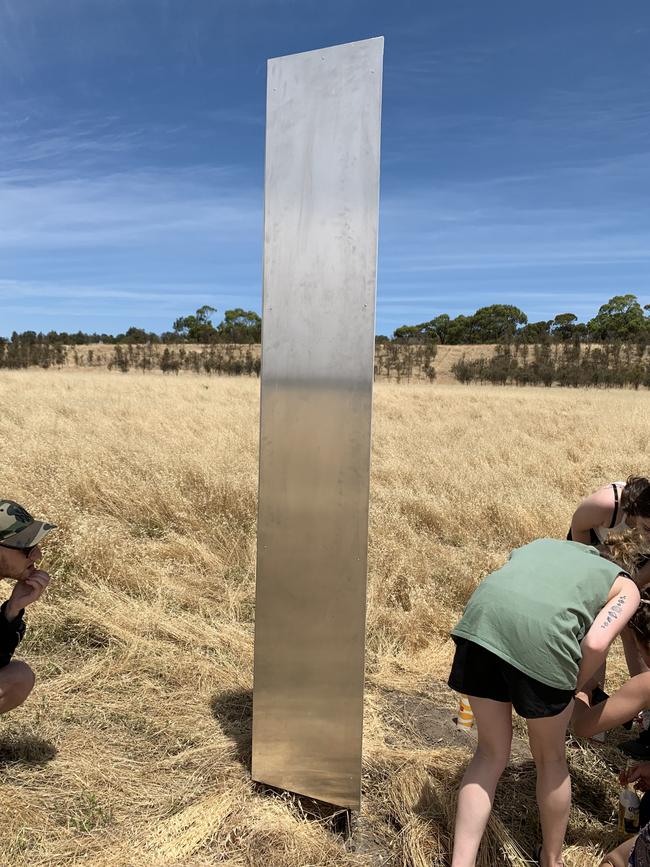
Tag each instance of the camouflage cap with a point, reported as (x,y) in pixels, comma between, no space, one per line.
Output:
(17,527)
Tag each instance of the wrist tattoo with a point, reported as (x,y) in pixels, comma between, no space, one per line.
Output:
(614,612)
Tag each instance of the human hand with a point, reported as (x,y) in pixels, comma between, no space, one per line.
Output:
(639,774)
(25,592)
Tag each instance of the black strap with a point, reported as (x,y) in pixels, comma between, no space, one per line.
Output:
(615,515)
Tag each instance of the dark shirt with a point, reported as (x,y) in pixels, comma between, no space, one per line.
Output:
(10,635)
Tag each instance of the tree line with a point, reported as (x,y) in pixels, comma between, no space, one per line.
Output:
(609,365)
(403,363)
(222,360)
(573,364)
(621,319)
(237,326)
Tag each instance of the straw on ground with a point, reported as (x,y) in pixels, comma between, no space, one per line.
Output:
(134,747)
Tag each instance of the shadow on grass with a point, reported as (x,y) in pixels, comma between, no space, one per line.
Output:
(25,750)
(336,820)
(233,711)
(516,806)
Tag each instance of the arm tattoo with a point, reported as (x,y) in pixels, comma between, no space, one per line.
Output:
(614,612)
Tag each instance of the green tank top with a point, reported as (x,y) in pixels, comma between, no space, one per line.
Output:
(535,610)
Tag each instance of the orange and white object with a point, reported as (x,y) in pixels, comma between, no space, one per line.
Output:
(465,719)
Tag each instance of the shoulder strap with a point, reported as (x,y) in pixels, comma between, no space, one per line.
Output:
(616,504)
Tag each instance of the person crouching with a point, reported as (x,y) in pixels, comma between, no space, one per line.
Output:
(20,535)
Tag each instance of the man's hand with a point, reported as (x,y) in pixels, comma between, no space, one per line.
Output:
(639,774)
(25,592)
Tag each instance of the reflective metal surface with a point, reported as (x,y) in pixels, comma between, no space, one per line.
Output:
(320,251)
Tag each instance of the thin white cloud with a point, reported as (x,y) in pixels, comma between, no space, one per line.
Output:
(60,189)
(572,217)
(86,145)
(122,209)
(10,289)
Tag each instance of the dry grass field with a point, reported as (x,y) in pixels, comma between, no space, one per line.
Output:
(98,355)
(134,747)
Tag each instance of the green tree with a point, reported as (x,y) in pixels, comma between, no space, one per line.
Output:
(534,332)
(409,334)
(620,319)
(563,326)
(438,328)
(496,323)
(198,327)
(135,335)
(459,330)
(240,326)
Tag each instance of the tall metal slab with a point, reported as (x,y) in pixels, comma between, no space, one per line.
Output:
(320,254)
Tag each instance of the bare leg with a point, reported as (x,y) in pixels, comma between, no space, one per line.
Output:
(620,856)
(494,727)
(547,744)
(16,683)
(635,663)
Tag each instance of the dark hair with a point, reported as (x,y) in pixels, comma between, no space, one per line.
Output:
(635,499)
(640,620)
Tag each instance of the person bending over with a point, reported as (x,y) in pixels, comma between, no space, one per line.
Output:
(20,535)
(624,704)
(531,633)
(612,509)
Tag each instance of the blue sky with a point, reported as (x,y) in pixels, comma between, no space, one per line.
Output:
(515,155)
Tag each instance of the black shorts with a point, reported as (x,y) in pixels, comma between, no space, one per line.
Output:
(478,672)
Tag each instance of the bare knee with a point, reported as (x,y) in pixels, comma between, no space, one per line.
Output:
(496,754)
(548,754)
(16,682)
(547,737)
(547,750)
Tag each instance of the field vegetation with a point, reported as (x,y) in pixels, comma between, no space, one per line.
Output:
(134,747)
(608,365)
(392,360)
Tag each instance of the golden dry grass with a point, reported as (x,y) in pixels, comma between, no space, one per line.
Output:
(98,355)
(133,748)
